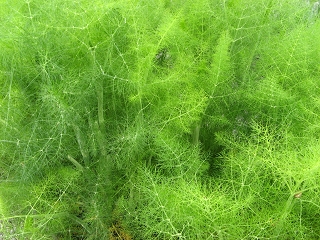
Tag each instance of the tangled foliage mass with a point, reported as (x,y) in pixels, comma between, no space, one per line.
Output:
(164,119)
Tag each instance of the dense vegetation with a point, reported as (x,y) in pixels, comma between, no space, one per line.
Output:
(159,119)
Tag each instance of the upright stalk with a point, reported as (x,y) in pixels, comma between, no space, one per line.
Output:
(195,134)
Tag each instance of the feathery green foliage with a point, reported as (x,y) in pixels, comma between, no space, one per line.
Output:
(137,119)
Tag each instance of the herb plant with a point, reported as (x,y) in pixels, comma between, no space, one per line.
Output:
(136,119)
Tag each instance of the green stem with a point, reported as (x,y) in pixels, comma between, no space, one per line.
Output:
(100,104)
(195,134)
